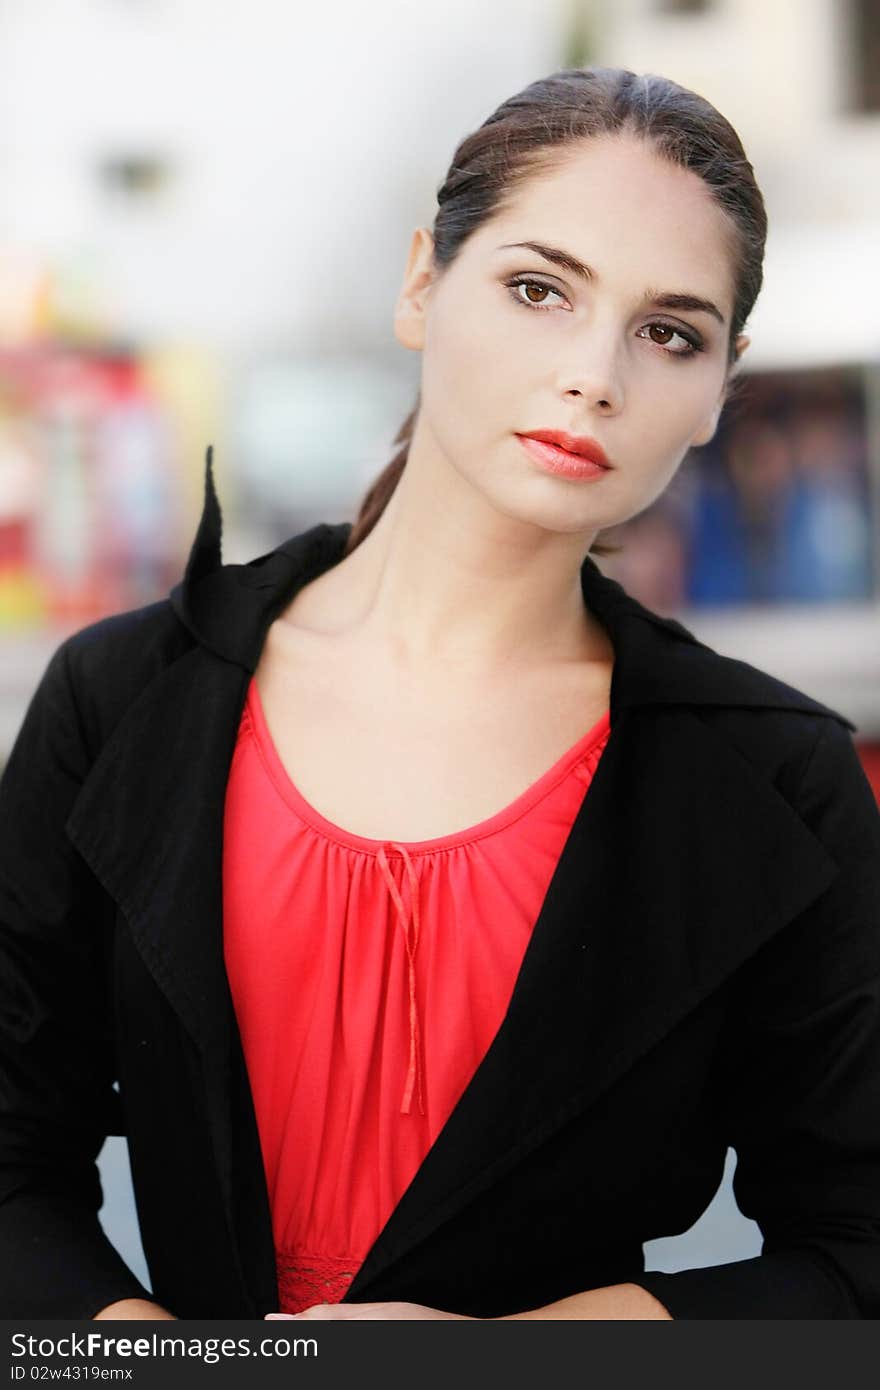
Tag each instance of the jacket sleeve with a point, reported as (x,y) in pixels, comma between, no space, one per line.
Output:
(798,1083)
(57,1099)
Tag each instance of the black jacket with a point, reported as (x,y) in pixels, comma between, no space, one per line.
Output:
(704,972)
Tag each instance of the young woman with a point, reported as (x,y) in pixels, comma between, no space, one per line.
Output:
(429,914)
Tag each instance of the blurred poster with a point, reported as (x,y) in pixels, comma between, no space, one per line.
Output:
(779,508)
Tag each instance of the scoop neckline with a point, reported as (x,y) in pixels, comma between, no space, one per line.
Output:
(528,798)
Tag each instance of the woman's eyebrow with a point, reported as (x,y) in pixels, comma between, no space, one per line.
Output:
(662,299)
(552,253)
(683,301)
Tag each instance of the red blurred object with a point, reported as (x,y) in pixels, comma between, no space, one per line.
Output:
(869,756)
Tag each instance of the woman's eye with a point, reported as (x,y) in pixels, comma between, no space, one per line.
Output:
(532,291)
(666,332)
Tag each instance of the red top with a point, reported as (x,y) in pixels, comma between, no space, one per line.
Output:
(369,978)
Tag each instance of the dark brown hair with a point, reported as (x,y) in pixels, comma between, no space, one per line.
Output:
(573,104)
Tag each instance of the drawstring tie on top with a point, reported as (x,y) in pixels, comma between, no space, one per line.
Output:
(410,924)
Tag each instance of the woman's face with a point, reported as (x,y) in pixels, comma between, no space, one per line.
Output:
(513,341)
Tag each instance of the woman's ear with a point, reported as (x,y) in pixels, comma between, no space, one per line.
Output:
(707,430)
(420,273)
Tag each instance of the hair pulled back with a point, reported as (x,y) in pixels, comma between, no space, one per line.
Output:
(518,140)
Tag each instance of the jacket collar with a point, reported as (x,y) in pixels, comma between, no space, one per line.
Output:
(658,661)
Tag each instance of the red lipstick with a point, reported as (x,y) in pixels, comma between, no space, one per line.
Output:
(569,455)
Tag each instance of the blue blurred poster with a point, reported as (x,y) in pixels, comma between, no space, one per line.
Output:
(778,508)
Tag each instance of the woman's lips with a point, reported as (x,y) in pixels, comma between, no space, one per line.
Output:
(552,459)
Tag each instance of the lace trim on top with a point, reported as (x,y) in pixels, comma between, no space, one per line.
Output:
(305,1279)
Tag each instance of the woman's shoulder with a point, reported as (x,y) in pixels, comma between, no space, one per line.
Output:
(103,666)
(781,742)
(770,723)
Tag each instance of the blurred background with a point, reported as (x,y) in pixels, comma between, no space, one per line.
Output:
(204,220)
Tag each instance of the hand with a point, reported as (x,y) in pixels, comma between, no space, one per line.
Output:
(397,1312)
(136,1310)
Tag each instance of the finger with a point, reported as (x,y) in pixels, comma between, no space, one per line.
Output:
(322,1311)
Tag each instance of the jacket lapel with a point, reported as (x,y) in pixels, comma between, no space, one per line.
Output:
(633,931)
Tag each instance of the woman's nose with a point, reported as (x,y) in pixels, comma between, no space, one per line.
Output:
(594,377)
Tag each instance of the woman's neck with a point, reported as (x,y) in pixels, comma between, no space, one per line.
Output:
(452,579)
